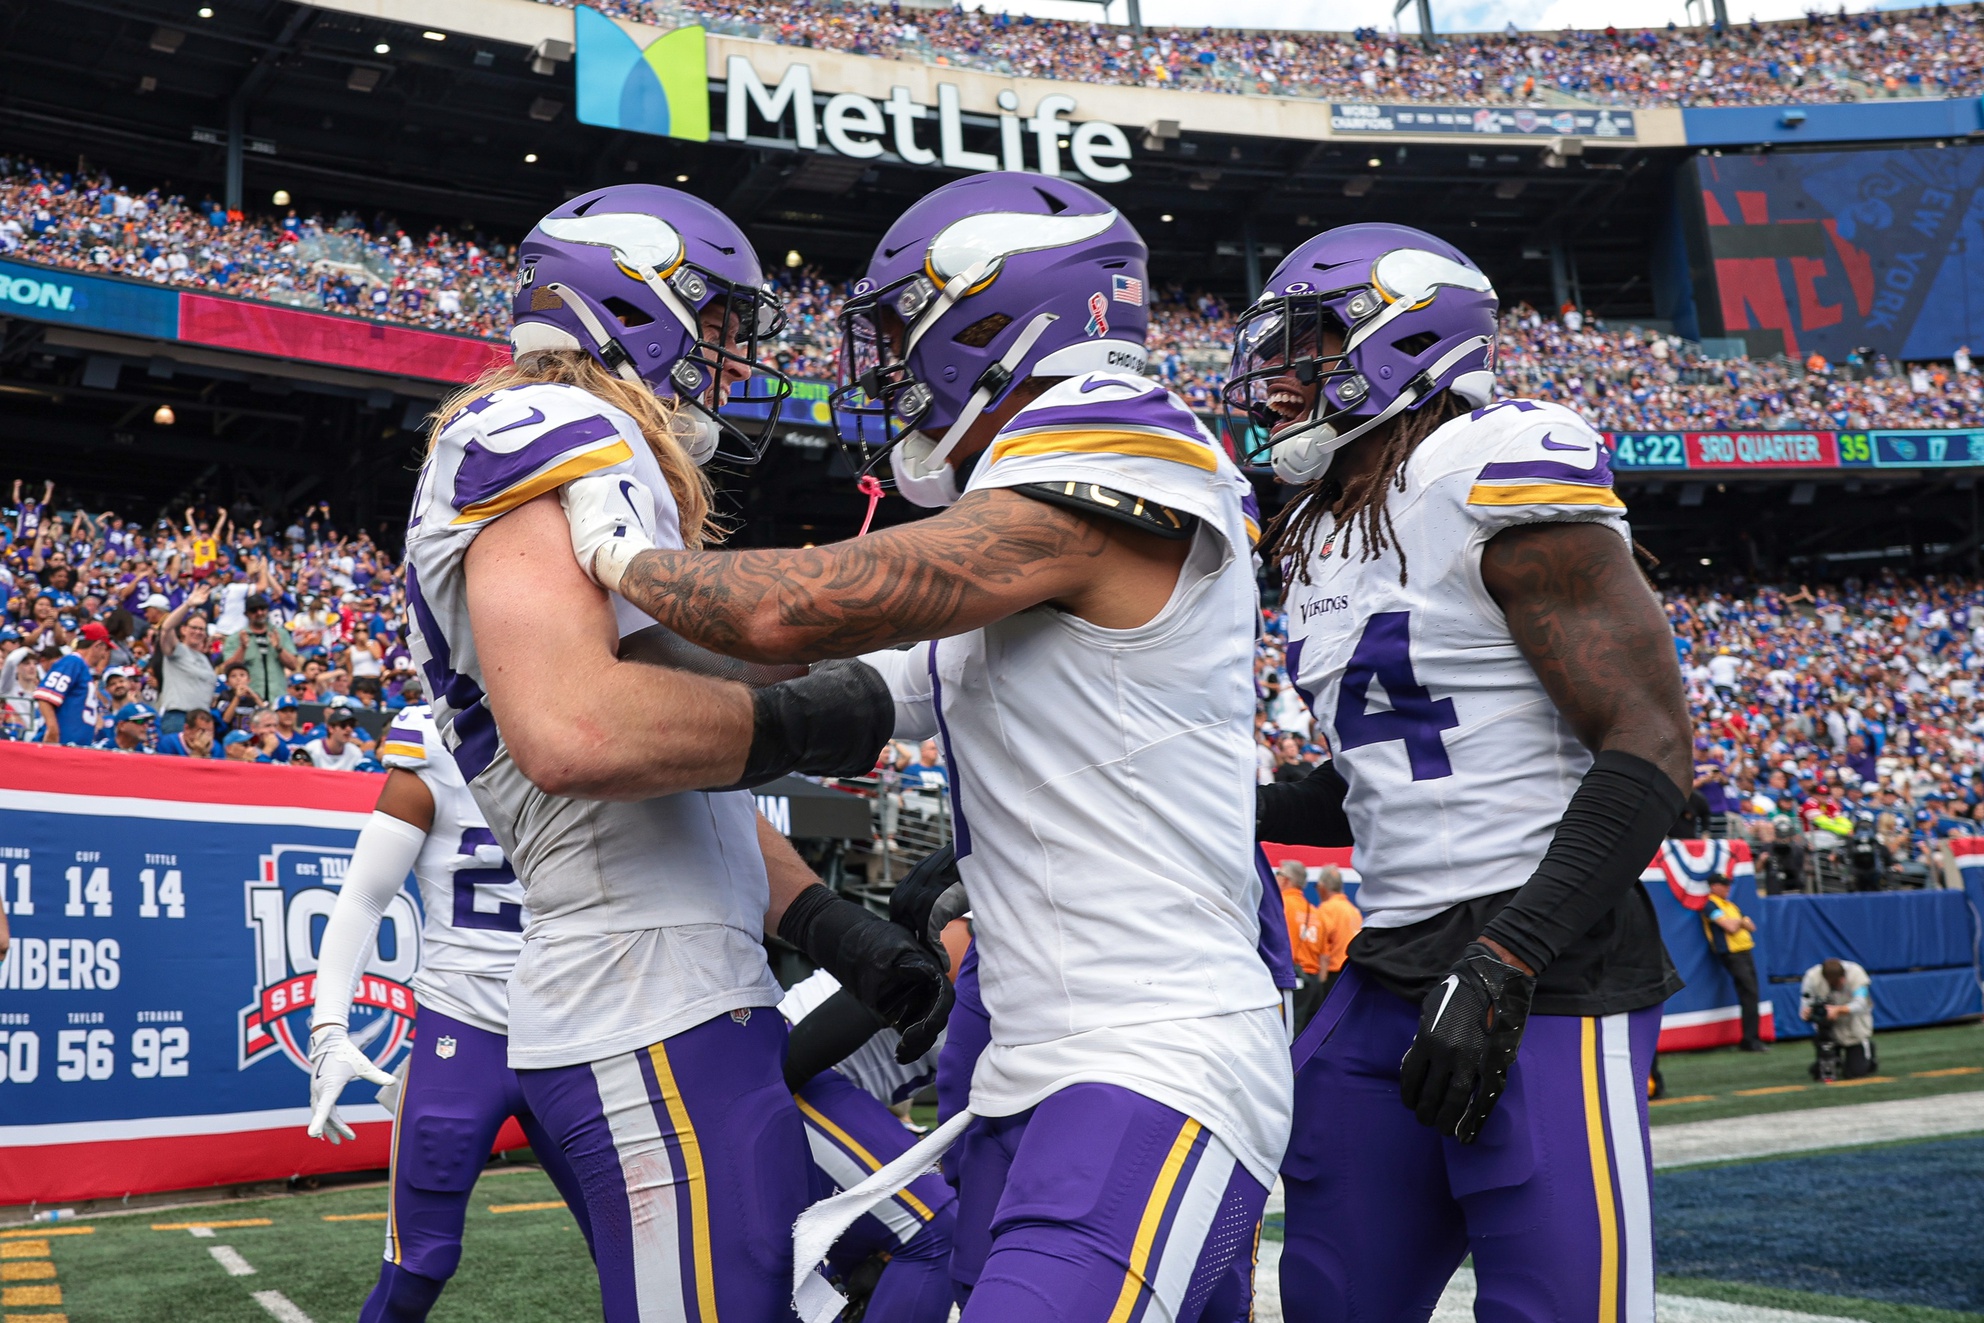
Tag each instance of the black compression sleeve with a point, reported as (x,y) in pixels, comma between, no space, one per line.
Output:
(1305,812)
(821,1041)
(1612,827)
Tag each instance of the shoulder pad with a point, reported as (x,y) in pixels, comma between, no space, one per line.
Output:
(1090,498)
(1528,456)
(411,741)
(1109,413)
(514,445)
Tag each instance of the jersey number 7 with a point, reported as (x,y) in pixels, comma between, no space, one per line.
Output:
(1384,654)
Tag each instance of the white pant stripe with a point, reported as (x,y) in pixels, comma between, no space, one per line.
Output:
(846,1173)
(1623,1091)
(1196,1210)
(651,1187)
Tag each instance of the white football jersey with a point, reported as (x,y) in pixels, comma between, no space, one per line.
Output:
(473,904)
(872,1066)
(1103,782)
(645,918)
(1459,764)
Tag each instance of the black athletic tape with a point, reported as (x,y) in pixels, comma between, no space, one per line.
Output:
(1087,498)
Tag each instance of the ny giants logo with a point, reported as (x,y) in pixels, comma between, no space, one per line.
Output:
(288,907)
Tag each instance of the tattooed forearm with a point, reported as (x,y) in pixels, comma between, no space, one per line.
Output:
(988,556)
(1596,637)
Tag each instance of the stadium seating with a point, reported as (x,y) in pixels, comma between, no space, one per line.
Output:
(1820,59)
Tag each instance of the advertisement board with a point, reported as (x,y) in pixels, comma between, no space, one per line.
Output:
(154,1005)
(51,294)
(1525,121)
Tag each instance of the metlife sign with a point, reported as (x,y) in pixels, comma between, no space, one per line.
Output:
(662,88)
(49,294)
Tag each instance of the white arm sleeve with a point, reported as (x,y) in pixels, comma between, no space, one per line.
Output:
(907,673)
(385,854)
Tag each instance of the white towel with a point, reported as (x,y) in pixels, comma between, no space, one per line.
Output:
(814,1234)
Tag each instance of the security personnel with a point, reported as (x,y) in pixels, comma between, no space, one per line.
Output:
(1728,931)
(1304,940)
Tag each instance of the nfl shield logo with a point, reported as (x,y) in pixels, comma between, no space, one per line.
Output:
(742,1016)
(444,1047)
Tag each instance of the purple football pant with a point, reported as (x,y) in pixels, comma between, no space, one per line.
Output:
(693,1163)
(853,1135)
(458,1092)
(1099,1206)
(1552,1200)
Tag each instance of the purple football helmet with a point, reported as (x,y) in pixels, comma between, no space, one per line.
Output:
(627,274)
(1414,317)
(988,280)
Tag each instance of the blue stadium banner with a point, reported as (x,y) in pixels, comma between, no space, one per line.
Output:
(154,1007)
(51,294)
(1912,450)
(1502,121)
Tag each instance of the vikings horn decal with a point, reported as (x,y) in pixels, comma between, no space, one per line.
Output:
(993,236)
(638,241)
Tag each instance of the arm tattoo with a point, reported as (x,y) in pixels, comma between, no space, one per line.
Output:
(987,557)
(1596,637)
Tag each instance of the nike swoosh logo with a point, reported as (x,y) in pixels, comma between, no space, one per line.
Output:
(1548,444)
(891,252)
(537,416)
(627,494)
(1453,981)
(1091,384)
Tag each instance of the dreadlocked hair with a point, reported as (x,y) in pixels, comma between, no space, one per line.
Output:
(1360,507)
(659,422)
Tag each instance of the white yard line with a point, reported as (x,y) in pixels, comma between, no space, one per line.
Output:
(1770,1133)
(1457,1302)
(281,1306)
(230,1258)
(200,1233)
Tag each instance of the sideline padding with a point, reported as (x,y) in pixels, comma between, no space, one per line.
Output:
(164,911)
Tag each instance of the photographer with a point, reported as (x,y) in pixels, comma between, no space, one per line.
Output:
(1838,1001)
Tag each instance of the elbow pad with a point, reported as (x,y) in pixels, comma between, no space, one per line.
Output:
(1305,812)
(1613,825)
(387,848)
(832,721)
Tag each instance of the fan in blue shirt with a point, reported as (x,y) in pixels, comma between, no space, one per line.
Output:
(68,696)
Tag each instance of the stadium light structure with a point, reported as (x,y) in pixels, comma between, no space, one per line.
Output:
(1424,8)
(1136,11)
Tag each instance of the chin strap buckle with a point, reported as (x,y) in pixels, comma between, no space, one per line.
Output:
(993,380)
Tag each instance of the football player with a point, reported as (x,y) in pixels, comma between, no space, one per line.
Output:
(641,1008)
(1089,585)
(1498,686)
(458,1088)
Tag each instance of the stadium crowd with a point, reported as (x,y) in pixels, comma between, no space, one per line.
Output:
(1821,714)
(1927,52)
(199,638)
(1626,378)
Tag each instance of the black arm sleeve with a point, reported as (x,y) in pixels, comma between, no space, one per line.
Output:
(1305,812)
(1612,827)
(825,1038)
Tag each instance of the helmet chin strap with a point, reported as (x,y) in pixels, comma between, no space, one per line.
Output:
(610,351)
(990,382)
(1304,457)
(946,300)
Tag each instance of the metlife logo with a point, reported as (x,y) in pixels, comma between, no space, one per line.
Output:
(28,292)
(663,88)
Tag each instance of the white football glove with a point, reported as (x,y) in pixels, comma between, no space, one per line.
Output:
(608,527)
(334,1063)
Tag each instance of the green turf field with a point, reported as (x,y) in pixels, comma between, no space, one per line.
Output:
(1914,1063)
(321,1251)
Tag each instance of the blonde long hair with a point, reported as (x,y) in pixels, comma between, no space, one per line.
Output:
(689,485)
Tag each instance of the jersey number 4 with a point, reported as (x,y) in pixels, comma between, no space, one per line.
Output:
(508,916)
(1384,654)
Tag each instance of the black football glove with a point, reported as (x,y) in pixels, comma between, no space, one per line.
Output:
(881,965)
(929,897)
(1469,1030)
(832,721)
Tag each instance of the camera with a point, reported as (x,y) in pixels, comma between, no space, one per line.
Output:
(1827,1068)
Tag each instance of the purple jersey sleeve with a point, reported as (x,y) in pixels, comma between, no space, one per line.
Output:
(1276,953)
